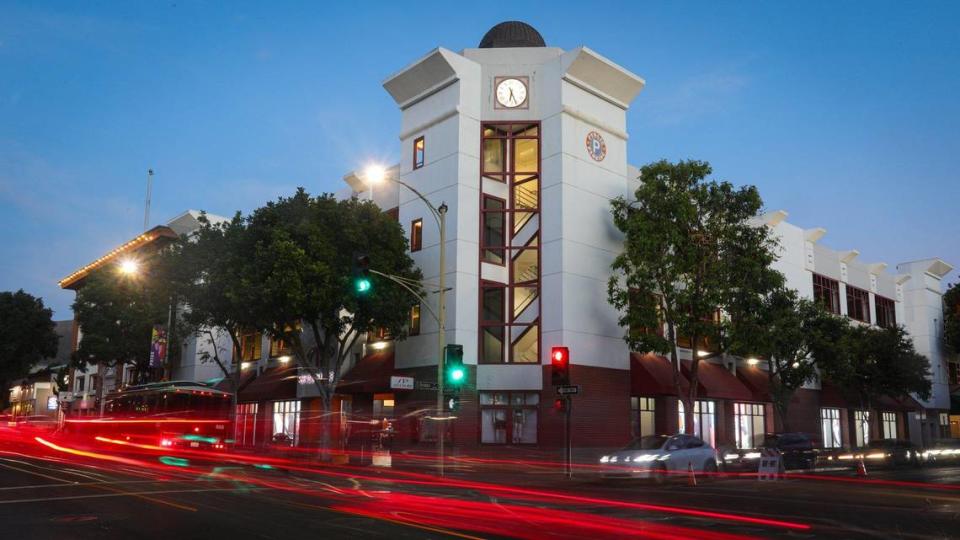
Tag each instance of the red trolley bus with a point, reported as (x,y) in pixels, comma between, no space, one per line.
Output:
(181,414)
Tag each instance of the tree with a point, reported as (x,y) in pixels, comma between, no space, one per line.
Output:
(691,252)
(211,277)
(26,336)
(951,318)
(868,363)
(117,313)
(302,257)
(786,330)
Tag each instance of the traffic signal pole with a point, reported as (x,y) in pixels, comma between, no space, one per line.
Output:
(568,436)
(441,334)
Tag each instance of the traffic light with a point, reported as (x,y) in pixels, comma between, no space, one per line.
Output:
(560,404)
(560,366)
(456,374)
(361,274)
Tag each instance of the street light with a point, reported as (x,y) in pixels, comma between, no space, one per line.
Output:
(129,267)
(374,174)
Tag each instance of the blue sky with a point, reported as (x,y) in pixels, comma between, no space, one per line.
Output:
(843,113)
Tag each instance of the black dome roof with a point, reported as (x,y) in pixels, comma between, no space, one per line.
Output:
(512,34)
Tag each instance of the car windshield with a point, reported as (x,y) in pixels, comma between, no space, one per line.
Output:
(650,442)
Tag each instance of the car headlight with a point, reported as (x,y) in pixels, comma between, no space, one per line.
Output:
(613,459)
(645,458)
(604,459)
(728,457)
(751,455)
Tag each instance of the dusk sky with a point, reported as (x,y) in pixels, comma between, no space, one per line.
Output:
(844,114)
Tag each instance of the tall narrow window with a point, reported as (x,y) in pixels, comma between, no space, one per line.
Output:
(418,151)
(493,230)
(861,427)
(830,425)
(416,235)
(826,291)
(889,421)
(246,427)
(642,417)
(492,319)
(415,320)
(250,344)
(286,422)
(858,304)
(704,420)
(886,312)
(749,421)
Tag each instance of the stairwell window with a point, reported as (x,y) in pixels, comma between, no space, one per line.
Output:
(493,231)
(419,146)
(416,234)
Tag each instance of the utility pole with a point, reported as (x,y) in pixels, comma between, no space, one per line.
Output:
(441,332)
(146,209)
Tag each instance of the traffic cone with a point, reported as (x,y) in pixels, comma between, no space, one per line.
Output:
(861,468)
(691,476)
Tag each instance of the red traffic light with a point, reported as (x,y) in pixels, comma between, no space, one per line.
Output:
(560,355)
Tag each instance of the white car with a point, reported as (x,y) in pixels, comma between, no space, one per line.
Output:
(659,456)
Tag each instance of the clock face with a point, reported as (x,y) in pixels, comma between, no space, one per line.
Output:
(511,93)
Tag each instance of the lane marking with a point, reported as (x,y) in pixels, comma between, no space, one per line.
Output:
(381,518)
(115,494)
(48,477)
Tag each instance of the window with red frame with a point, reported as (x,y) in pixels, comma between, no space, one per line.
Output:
(826,291)
(858,304)
(419,146)
(416,235)
(886,312)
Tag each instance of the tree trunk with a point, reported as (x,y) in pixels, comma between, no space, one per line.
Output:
(688,417)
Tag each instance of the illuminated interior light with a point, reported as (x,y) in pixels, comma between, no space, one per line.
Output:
(379,346)
(752,361)
(283,359)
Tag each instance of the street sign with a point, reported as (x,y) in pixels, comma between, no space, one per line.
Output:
(568,390)
(66,397)
(401,383)
(427,385)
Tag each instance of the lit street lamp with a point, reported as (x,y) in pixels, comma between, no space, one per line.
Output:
(376,174)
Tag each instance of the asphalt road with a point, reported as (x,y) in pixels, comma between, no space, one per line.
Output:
(68,491)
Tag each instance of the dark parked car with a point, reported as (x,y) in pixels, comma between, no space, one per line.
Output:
(796,449)
(892,453)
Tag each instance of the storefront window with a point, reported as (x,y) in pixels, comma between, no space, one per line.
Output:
(383,406)
(749,421)
(509,416)
(944,425)
(704,420)
(286,422)
(246,424)
(861,425)
(642,414)
(830,426)
(889,421)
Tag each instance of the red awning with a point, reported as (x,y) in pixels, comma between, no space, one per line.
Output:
(371,374)
(272,384)
(652,375)
(714,381)
(756,380)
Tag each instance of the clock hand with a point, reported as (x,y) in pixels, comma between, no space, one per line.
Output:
(512,98)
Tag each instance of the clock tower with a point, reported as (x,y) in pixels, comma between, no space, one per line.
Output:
(526,144)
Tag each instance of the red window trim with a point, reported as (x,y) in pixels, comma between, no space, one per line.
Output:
(483,229)
(416,235)
(422,162)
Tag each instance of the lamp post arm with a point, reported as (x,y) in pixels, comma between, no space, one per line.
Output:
(423,301)
(433,209)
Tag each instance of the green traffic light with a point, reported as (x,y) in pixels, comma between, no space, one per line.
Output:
(363,285)
(456,375)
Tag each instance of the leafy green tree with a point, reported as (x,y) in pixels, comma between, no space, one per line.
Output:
(692,250)
(210,277)
(117,313)
(786,330)
(26,336)
(868,363)
(951,318)
(302,256)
